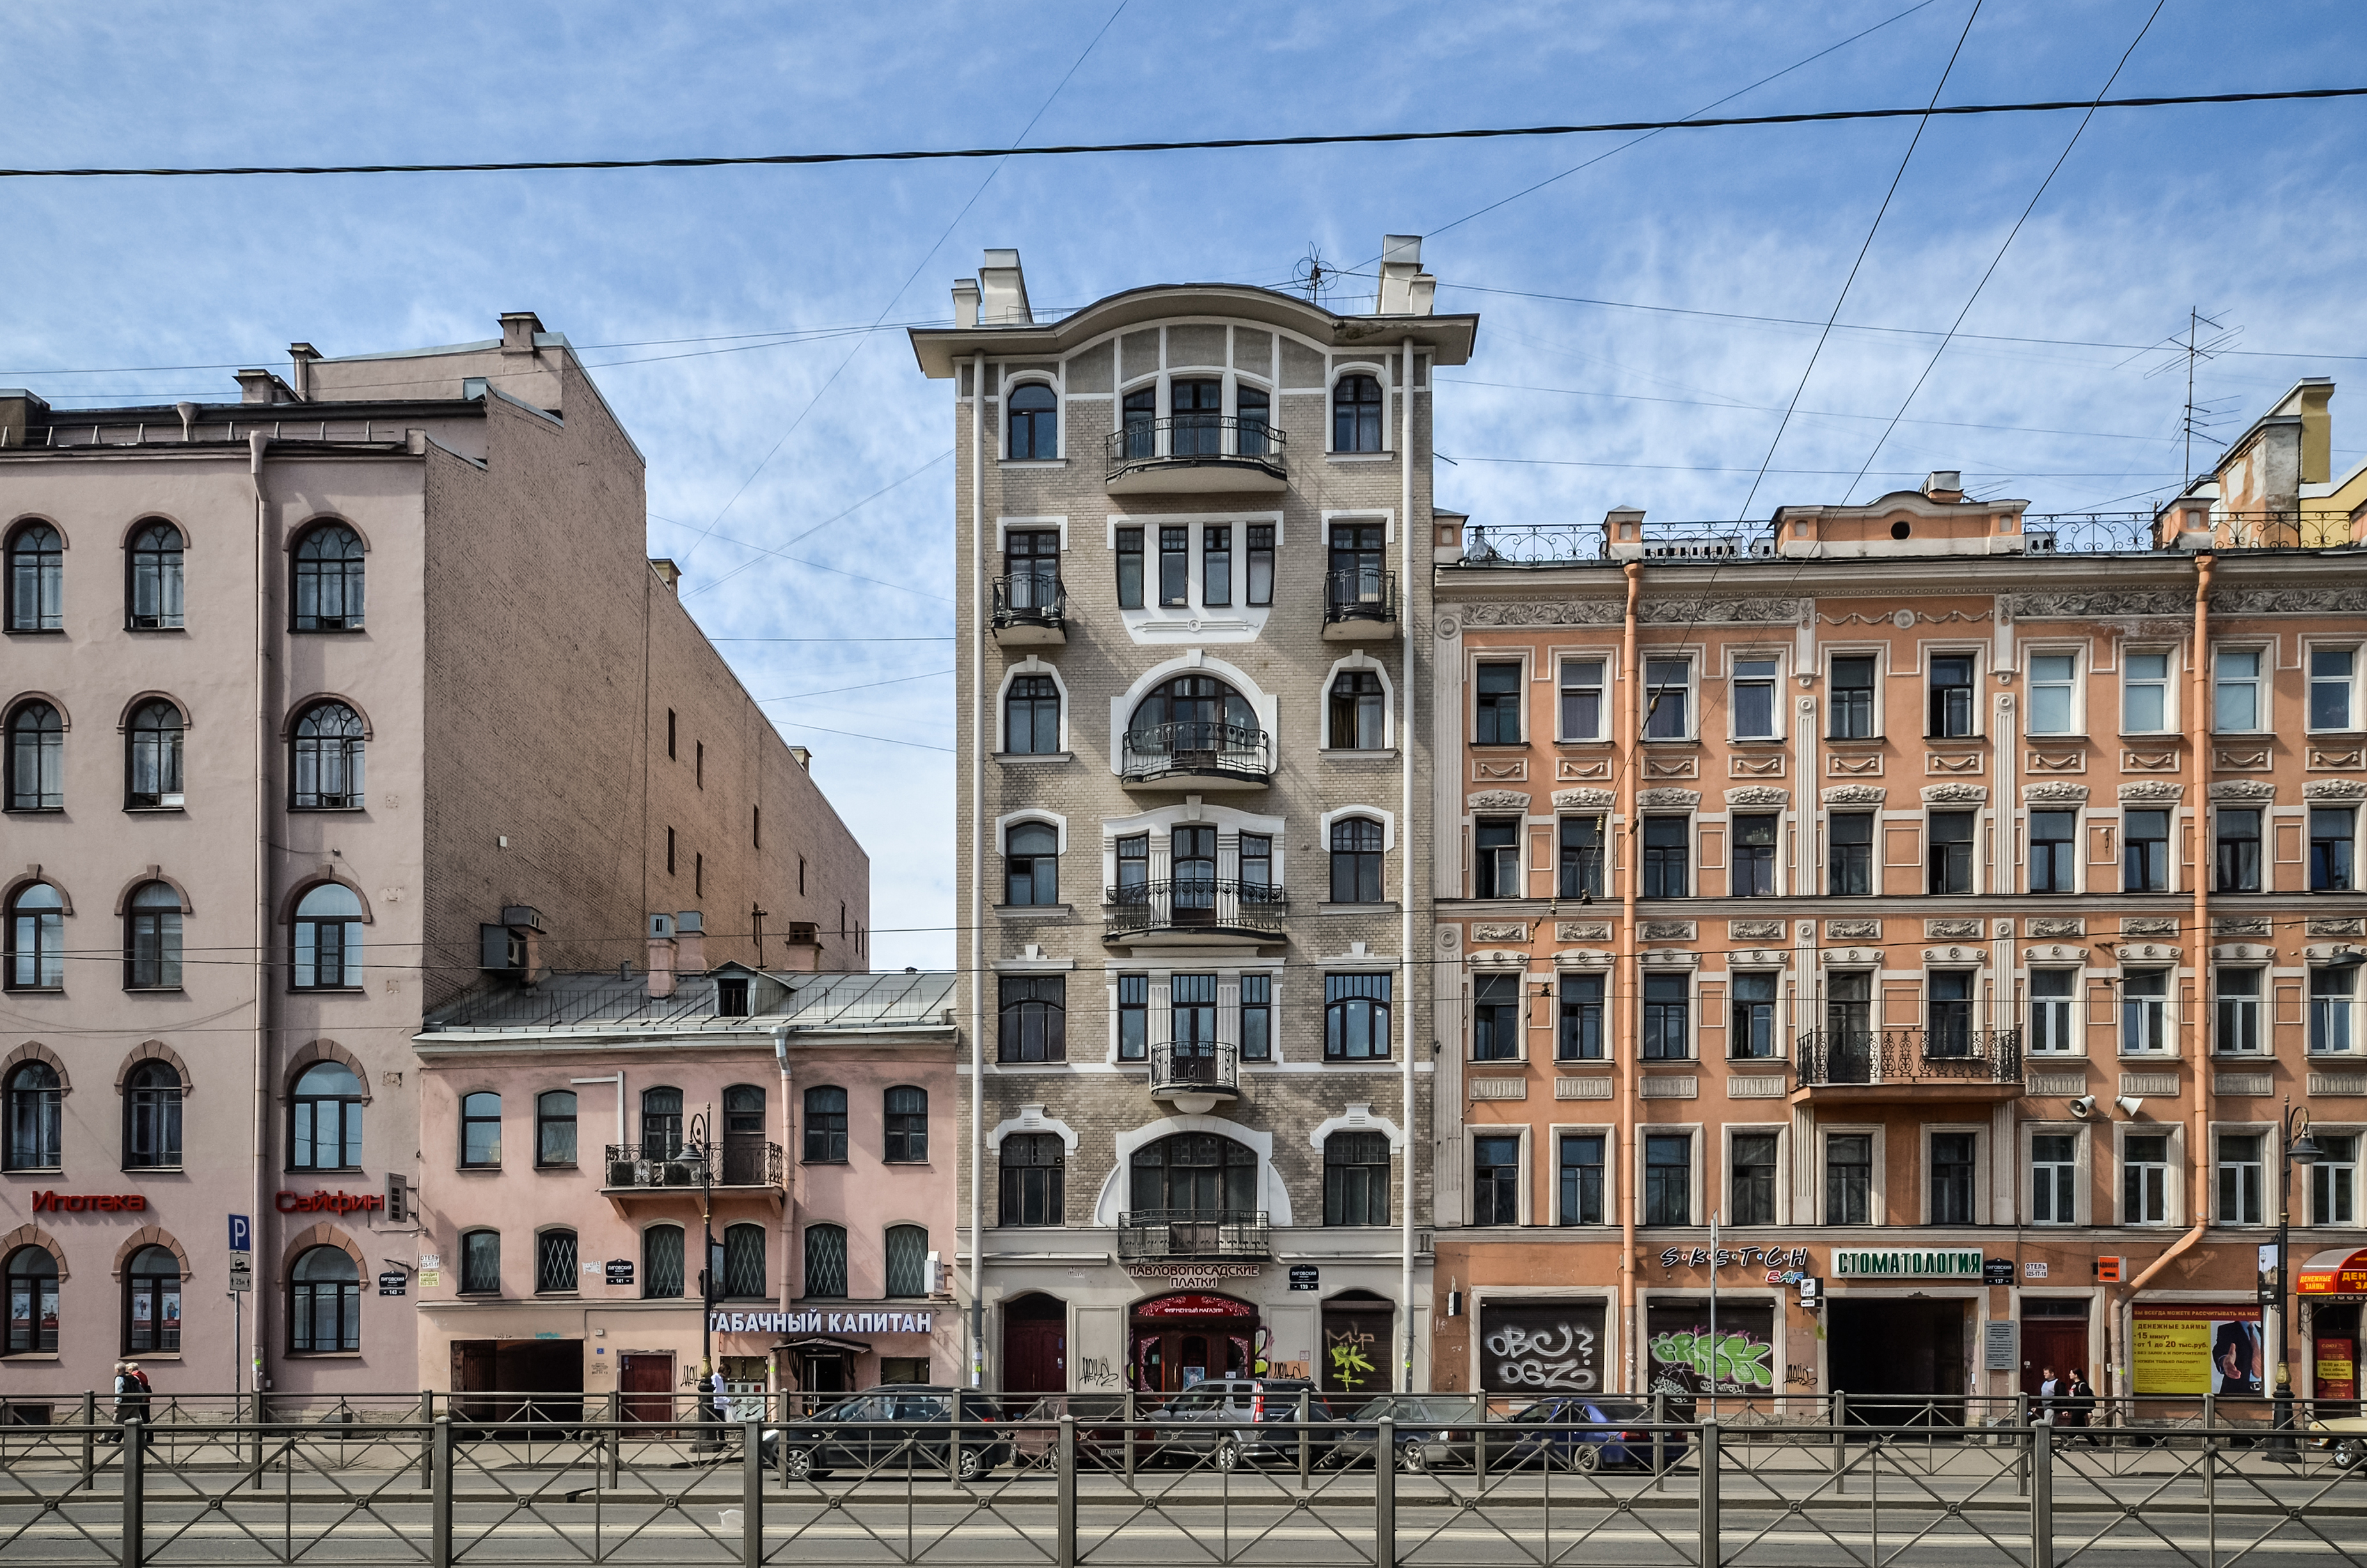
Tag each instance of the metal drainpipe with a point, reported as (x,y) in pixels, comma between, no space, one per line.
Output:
(1405,853)
(255,443)
(1624,984)
(977,654)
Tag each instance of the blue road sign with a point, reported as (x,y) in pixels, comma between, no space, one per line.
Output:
(241,1234)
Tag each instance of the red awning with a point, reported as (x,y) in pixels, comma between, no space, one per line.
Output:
(2333,1274)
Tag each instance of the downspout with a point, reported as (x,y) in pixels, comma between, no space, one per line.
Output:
(1405,853)
(974,652)
(1624,984)
(789,1186)
(255,443)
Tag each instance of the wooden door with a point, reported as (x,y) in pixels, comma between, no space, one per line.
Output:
(647,1382)
(2059,1343)
(1036,1355)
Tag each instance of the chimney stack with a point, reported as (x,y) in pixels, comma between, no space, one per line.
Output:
(690,943)
(299,368)
(1002,287)
(661,983)
(805,758)
(519,330)
(1406,288)
(965,302)
(1944,485)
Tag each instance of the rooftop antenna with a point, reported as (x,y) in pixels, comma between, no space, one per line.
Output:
(1312,276)
(2192,350)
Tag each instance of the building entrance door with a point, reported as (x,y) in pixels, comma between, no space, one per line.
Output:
(2056,1338)
(1176,1341)
(1902,1362)
(1035,1344)
(646,1379)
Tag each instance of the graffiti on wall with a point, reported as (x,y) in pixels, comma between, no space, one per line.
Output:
(1540,1345)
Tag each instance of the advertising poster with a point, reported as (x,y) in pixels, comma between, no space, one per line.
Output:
(2337,1368)
(1541,1346)
(2197,1347)
(1677,1340)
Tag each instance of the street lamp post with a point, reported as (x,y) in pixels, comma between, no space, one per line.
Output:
(2298,1148)
(701,1131)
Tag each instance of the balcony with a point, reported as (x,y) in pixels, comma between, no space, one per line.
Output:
(1031,610)
(1360,605)
(1195,914)
(1192,454)
(1162,1235)
(1196,1076)
(1203,755)
(1870,1066)
(675,1171)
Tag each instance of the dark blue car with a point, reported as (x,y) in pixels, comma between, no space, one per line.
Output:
(1590,1433)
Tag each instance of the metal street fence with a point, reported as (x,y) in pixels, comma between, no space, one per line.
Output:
(1167,1492)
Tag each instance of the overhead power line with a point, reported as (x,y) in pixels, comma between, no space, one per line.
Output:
(1222,144)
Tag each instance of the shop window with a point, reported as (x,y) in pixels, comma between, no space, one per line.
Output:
(152,1303)
(32,1284)
(324,1303)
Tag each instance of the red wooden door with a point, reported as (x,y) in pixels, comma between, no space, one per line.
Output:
(1036,1355)
(647,1383)
(2059,1343)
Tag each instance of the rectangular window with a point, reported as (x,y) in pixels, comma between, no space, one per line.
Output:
(1668,1017)
(1133,1018)
(1257,867)
(1849,1178)
(1754,699)
(2053,994)
(2330,1001)
(1951,1178)
(2053,851)
(1848,709)
(1129,568)
(1581,1178)
(2240,1010)
(1669,1179)
(2145,1179)
(1257,1017)
(1032,1165)
(1496,1017)
(1753,856)
(2144,851)
(2053,1173)
(2145,693)
(1192,1015)
(2144,1011)
(1668,855)
(1217,564)
(1495,858)
(2334,1180)
(2330,830)
(2053,683)
(1752,1200)
(1582,699)
(1753,1034)
(2238,848)
(1668,690)
(1952,696)
(1355,1017)
(1498,714)
(2240,1178)
(481,1263)
(1259,541)
(2235,704)
(1849,862)
(1495,1181)
(1356,1178)
(1952,852)
(2329,687)
(1581,858)
(1580,1038)
(1034,1019)
(1174,566)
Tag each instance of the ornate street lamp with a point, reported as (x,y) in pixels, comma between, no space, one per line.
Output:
(2299,1149)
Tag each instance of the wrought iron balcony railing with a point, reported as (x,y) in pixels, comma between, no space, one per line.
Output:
(734,1163)
(1251,909)
(1198,747)
(1031,599)
(1936,1056)
(1185,441)
(1159,1234)
(1191,1065)
(1359,593)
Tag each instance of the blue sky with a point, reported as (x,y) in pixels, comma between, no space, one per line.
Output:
(2251,213)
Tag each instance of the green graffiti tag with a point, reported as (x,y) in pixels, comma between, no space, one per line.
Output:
(1740,1361)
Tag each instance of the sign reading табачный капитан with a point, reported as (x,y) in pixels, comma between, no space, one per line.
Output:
(1908,1264)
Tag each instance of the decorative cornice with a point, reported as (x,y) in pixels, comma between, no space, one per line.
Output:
(1729,613)
(1538,612)
(1583,931)
(1852,930)
(1954,794)
(2289,601)
(1668,797)
(1575,799)
(2059,926)
(1666,930)
(1498,800)
(2243,790)
(2035,794)
(1953,930)
(2149,926)
(2104,605)
(1854,795)
(1758,795)
(2333,789)
(1754,930)
(2153,790)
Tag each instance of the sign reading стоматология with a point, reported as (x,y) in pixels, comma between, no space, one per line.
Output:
(1907,1263)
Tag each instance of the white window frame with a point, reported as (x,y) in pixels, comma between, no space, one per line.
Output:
(2308,1200)
(2169,716)
(2027,842)
(1478,656)
(1013,382)
(2267,1133)
(2258,681)
(1879,724)
(1523,1186)
(1696,1175)
(1611,1186)
(2083,1154)
(2074,1025)
(2347,1016)
(1645,659)
(2169,1018)
(1782,1131)
(2173,1202)
(1980,1135)
(1878,1192)
(1692,1015)
(1606,687)
(1977,718)
(2075,714)
(2310,650)
(1776,706)
(2259,1001)
(1030,666)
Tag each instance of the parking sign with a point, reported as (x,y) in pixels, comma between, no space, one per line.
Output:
(241,1235)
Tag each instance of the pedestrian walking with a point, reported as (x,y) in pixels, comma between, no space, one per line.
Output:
(2080,1400)
(126,1391)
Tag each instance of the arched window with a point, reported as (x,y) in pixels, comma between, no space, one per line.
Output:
(1356,414)
(554,1128)
(324,1302)
(1031,716)
(324,771)
(744,1262)
(1355,860)
(151,764)
(661,1123)
(152,594)
(1360,712)
(481,1263)
(329,939)
(908,1260)
(825,1126)
(32,1276)
(152,1303)
(662,1263)
(554,1262)
(481,1130)
(1193,1173)
(1356,1178)
(37,579)
(152,939)
(326,1133)
(1031,863)
(908,1125)
(36,758)
(36,1123)
(329,580)
(744,1148)
(152,1118)
(1193,716)
(36,938)
(1035,421)
(826,1261)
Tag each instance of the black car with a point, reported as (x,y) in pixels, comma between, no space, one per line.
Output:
(1430,1427)
(900,1426)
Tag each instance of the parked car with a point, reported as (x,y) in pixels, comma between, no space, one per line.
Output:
(890,1428)
(1245,1421)
(1429,1429)
(1588,1433)
(2346,1436)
